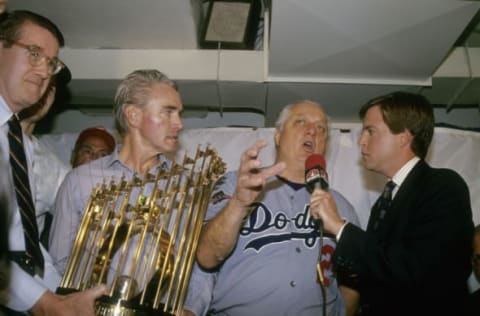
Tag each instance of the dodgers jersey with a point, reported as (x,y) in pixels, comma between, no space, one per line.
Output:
(272,270)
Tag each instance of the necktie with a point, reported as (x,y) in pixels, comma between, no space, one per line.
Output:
(18,163)
(382,205)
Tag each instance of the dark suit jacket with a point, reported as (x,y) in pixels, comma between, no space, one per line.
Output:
(474,304)
(418,261)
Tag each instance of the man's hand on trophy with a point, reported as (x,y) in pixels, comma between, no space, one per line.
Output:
(186,312)
(76,304)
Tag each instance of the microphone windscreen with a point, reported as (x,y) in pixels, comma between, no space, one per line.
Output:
(315,160)
(315,174)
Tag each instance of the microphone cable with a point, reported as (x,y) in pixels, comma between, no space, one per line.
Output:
(316,177)
(319,268)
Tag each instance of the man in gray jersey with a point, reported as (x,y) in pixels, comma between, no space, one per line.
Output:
(259,247)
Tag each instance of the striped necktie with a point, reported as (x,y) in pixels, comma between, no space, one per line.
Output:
(382,205)
(18,162)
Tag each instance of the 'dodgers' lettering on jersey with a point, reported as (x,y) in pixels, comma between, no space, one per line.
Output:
(262,219)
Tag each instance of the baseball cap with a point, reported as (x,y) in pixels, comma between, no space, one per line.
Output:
(100,132)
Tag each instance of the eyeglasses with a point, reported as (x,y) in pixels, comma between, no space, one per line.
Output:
(36,57)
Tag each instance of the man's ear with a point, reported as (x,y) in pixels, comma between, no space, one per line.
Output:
(406,138)
(132,115)
(276,137)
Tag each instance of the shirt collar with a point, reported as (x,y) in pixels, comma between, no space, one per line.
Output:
(5,112)
(114,158)
(401,174)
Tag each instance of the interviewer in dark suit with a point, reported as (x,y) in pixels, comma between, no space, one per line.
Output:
(416,260)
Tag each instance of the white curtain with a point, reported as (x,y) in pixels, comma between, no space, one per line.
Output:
(451,148)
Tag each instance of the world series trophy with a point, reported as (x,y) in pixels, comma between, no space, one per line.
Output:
(139,237)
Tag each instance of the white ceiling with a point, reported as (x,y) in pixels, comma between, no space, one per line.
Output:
(340,53)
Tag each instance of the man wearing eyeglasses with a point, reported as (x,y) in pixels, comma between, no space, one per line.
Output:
(28,59)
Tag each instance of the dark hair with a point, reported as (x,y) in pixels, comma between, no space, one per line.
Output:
(406,111)
(12,22)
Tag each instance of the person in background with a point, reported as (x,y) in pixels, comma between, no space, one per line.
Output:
(48,169)
(29,45)
(415,256)
(92,143)
(474,279)
(259,247)
(29,117)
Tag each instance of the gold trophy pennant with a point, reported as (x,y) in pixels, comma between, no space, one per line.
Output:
(139,237)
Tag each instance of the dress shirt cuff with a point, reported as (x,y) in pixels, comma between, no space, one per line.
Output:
(340,231)
(24,290)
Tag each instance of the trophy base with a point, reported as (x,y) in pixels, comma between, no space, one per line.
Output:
(107,306)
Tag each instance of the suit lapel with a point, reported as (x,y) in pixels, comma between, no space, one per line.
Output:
(407,194)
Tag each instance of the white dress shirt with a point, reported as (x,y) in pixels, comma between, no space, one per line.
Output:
(24,290)
(473,283)
(48,173)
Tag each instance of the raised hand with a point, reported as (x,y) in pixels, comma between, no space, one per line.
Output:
(220,234)
(251,177)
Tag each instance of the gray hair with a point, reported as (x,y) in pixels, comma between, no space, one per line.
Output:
(285,113)
(135,89)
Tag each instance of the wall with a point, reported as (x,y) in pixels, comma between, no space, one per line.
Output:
(451,148)
(71,121)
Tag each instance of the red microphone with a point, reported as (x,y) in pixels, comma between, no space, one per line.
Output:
(316,177)
(315,174)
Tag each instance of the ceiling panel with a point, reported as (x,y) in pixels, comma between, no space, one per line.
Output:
(138,24)
(363,41)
